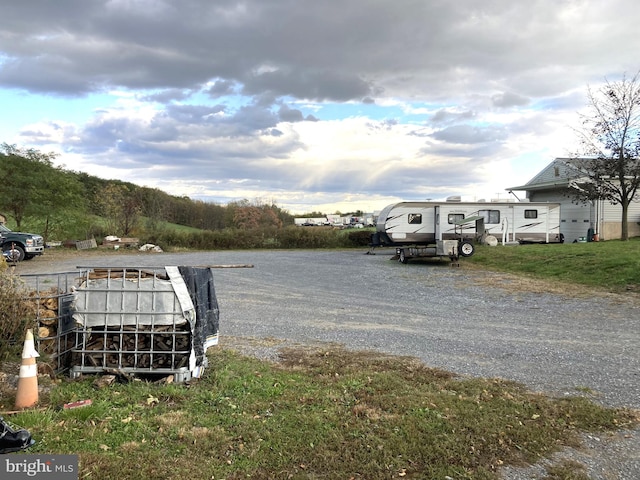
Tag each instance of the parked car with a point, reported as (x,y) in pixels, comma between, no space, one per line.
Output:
(18,246)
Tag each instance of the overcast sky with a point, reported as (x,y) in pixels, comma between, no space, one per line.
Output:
(312,104)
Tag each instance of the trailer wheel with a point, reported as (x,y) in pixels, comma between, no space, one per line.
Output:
(466,249)
(402,258)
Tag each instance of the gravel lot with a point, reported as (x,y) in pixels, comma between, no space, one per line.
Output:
(459,319)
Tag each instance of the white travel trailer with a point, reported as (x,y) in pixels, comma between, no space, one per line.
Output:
(428,223)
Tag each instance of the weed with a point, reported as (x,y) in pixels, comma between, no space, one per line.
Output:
(566,470)
(16,315)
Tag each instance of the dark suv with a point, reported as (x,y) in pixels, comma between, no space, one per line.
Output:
(18,246)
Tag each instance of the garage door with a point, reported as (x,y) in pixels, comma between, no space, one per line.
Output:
(574,221)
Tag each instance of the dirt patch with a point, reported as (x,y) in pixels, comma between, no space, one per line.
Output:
(266,348)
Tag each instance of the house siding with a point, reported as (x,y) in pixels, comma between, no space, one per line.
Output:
(576,219)
(611,220)
(556,171)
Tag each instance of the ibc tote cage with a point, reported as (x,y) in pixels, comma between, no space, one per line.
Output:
(141,321)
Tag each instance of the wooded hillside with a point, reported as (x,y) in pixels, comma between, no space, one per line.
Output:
(37,196)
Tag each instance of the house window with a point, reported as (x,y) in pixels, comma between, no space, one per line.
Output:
(531,214)
(415,218)
(455,217)
(556,171)
(490,216)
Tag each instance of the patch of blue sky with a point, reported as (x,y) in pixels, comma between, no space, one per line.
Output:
(526,164)
(335,111)
(321,110)
(25,108)
(232,102)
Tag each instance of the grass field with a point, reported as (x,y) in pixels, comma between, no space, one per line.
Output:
(613,266)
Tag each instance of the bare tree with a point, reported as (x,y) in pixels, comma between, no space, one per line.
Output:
(608,165)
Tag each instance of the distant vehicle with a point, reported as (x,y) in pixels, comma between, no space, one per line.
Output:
(18,246)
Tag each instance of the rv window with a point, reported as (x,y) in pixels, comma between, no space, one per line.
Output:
(531,214)
(415,218)
(455,217)
(490,216)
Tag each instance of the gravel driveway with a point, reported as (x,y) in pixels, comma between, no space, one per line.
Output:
(462,320)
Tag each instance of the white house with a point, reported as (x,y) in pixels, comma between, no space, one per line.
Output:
(577,220)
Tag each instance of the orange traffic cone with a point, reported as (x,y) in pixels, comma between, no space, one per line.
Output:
(27,395)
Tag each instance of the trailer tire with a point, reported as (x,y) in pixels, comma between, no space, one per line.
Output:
(466,249)
(402,258)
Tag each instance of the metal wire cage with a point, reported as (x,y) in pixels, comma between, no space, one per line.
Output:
(131,320)
(50,297)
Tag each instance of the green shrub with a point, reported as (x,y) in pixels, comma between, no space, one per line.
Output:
(359,238)
(264,237)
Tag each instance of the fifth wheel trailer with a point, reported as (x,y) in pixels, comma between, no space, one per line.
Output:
(426,224)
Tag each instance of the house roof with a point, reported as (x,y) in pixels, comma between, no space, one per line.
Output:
(555,174)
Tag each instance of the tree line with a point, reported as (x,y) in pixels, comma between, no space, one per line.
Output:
(60,204)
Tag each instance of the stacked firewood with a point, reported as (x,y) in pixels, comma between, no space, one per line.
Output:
(136,346)
(45,308)
(132,346)
(48,316)
(55,337)
(101,273)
